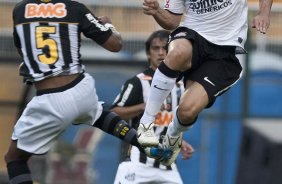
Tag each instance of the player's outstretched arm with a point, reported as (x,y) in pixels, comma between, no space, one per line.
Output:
(261,21)
(163,17)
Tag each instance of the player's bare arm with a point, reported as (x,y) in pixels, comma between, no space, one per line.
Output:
(163,17)
(262,20)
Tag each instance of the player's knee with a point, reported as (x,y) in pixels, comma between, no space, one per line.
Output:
(10,157)
(178,59)
(187,114)
(13,155)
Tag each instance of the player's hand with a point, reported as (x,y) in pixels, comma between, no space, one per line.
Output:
(150,7)
(105,20)
(186,150)
(261,23)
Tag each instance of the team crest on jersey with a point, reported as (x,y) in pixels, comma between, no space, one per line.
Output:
(49,10)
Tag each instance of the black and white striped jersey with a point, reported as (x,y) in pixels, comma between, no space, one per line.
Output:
(136,91)
(49,36)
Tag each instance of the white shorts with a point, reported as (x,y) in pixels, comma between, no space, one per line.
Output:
(136,173)
(48,115)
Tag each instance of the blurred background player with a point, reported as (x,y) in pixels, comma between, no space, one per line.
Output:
(202,47)
(130,104)
(47,35)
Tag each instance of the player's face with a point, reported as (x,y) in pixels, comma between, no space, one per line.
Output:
(157,52)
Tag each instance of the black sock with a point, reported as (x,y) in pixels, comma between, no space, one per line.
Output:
(167,71)
(111,123)
(19,172)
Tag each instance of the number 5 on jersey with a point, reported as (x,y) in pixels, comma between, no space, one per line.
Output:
(48,45)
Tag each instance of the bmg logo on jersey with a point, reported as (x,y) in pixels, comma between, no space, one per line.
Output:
(49,10)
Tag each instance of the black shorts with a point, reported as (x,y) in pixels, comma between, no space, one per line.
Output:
(215,67)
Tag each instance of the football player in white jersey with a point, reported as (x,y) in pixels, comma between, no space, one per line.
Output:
(136,167)
(206,36)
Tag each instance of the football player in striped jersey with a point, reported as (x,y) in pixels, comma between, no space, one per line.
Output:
(47,35)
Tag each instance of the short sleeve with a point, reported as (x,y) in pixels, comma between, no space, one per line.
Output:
(89,24)
(175,6)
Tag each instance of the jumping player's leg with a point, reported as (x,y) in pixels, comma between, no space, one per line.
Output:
(203,85)
(192,102)
(210,80)
(178,59)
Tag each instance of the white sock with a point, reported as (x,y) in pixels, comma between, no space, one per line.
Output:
(175,128)
(160,88)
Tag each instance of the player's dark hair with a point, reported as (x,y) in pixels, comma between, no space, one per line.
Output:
(161,34)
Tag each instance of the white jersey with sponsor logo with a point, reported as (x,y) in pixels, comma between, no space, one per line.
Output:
(222,22)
